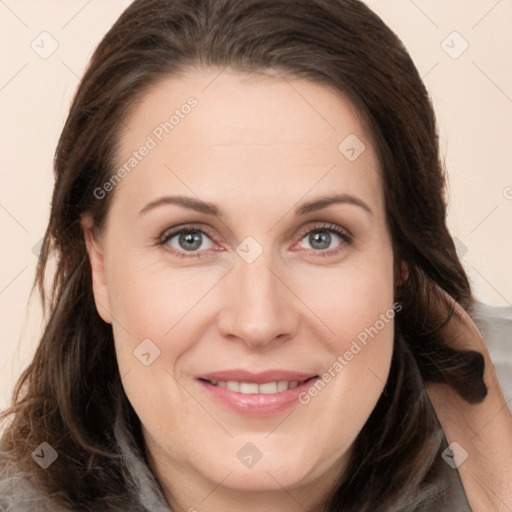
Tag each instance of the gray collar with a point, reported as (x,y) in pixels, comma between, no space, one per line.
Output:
(147,493)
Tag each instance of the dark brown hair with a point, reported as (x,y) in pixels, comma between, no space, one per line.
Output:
(68,395)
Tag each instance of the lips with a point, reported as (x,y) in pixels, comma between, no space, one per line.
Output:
(256,394)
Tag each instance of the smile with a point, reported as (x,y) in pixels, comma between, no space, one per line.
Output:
(265,394)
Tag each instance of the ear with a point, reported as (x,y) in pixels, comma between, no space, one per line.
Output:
(95,251)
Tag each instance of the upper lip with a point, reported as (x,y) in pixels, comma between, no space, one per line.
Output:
(239,375)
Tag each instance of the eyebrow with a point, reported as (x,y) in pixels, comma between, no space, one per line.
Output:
(211,209)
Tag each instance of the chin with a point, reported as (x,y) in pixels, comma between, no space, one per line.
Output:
(264,478)
(252,470)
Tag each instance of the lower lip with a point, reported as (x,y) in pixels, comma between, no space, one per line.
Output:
(257,404)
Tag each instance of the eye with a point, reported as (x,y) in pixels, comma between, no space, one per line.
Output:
(193,242)
(321,237)
(187,240)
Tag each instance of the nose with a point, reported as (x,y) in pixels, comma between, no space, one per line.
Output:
(259,308)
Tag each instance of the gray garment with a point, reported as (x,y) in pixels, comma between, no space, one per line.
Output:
(148,496)
(17,495)
(495,324)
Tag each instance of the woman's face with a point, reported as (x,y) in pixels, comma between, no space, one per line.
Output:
(271,282)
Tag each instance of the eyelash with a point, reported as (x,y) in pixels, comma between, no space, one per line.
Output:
(331,228)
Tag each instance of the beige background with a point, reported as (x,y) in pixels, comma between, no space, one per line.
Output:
(472,95)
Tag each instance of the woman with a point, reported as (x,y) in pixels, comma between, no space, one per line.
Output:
(256,284)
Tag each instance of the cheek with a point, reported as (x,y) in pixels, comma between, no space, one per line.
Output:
(353,379)
(152,297)
(360,319)
(359,310)
(155,302)
(356,301)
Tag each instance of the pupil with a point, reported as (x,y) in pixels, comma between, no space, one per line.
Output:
(190,241)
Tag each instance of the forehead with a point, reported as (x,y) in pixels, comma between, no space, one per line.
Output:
(211,131)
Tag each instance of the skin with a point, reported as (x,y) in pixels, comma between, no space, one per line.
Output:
(257,146)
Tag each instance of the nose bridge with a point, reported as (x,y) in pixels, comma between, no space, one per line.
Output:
(259,307)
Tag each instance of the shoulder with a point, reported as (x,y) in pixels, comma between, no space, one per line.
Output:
(17,494)
(494,321)
(452,496)
(495,324)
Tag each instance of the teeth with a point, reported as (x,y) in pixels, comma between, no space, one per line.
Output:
(282,385)
(233,386)
(248,388)
(251,388)
(269,388)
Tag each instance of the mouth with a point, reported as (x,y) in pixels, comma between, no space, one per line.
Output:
(253,388)
(264,394)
